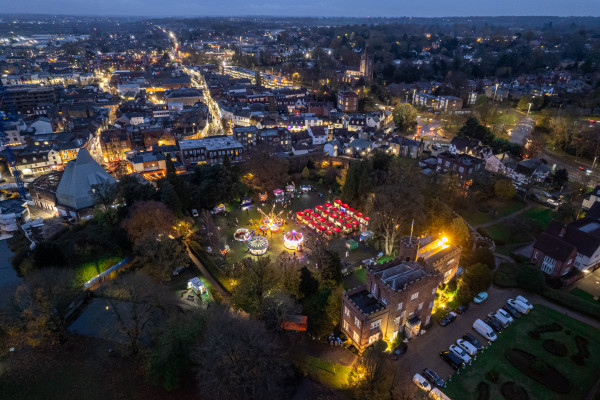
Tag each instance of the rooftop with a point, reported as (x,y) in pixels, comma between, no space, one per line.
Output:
(366,302)
(399,274)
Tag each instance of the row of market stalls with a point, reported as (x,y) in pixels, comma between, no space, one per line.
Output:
(331,219)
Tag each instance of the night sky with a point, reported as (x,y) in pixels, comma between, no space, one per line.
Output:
(351,8)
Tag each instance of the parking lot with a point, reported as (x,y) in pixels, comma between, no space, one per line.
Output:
(423,352)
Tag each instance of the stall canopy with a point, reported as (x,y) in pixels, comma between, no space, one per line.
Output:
(295,323)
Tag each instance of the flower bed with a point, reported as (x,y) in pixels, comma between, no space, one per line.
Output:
(554,347)
(512,391)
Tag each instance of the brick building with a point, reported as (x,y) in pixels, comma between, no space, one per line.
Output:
(347,101)
(398,295)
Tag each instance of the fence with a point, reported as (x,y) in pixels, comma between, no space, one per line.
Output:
(100,277)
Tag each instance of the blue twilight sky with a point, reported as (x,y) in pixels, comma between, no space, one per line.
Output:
(351,8)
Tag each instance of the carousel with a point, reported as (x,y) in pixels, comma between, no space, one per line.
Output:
(293,240)
(271,222)
(242,235)
(258,245)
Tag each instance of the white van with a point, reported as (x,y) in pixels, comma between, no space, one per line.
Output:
(519,306)
(484,330)
(524,301)
(421,382)
(437,394)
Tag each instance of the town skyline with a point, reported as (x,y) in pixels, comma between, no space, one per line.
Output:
(311,8)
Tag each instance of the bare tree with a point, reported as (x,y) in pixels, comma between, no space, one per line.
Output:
(42,300)
(149,216)
(137,303)
(159,256)
(238,359)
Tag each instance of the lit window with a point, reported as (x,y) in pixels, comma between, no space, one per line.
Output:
(414,296)
(357,322)
(355,337)
(376,324)
(400,304)
(345,325)
(346,311)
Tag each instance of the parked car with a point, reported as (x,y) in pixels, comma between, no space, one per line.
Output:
(512,311)
(451,316)
(452,359)
(484,330)
(399,350)
(421,382)
(520,307)
(505,314)
(462,309)
(194,213)
(499,319)
(433,377)
(178,270)
(524,301)
(495,324)
(467,347)
(460,352)
(480,297)
(469,337)
(219,209)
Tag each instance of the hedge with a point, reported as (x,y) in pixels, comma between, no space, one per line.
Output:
(208,262)
(572,302)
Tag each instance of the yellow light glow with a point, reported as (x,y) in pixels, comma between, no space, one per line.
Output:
(444,239)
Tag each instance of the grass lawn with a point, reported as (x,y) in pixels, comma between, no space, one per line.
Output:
(505,207)
(330,374)
(87,271)
(583,294)
(501,234)
(464,384)
(540,215)
(361,274)
(491,210)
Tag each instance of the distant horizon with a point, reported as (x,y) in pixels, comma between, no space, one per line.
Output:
(308,8)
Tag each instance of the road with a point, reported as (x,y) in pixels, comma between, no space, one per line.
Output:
(573,168)
(199,81)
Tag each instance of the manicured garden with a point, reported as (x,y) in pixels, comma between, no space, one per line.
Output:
(543,355)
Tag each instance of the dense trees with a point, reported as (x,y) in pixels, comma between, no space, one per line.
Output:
(504,189)
(475,278)
(405,117)
(238,359)
(137,304)
(148,218)
(42,301)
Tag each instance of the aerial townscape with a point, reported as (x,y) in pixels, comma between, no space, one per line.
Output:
(258,201)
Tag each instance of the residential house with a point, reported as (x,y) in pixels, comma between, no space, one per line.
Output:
(319,134)
(553,256)
(463,165)
(347,101)
(211,150)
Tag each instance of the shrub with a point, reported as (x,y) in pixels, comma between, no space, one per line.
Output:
(483,391)
(506,276)
(582,351)
(493,376)
(539,370)
(512,391)
(530,279)
(573,302)
(534,334)
(554,347)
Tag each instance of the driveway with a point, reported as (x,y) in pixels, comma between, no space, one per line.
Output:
(590,283)
(424,351)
